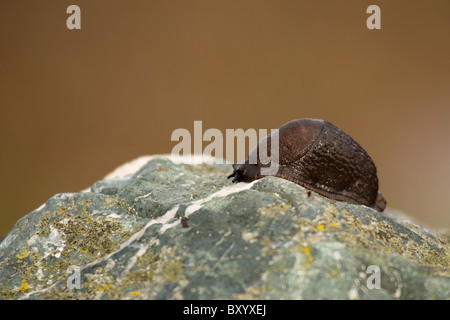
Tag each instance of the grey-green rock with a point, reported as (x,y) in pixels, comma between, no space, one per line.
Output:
(176,231)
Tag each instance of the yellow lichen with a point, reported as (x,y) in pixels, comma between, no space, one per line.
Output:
(22,255)
(320,228)
(25,286)
(307,253)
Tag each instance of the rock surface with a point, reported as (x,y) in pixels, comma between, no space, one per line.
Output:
(157,230)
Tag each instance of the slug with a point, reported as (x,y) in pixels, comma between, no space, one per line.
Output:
(320,157)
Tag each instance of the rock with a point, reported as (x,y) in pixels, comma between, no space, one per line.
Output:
(157,230)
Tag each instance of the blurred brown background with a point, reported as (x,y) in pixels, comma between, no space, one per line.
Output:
(76,104)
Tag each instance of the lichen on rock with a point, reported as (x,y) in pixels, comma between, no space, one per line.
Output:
(269,239)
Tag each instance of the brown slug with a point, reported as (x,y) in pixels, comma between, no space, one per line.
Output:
(320,157)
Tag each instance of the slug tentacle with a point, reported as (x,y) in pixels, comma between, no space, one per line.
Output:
(235,175)
(232,175)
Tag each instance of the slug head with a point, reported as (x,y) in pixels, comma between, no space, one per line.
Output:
(244,172)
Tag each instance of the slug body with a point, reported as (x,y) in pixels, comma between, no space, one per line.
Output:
(320,157)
